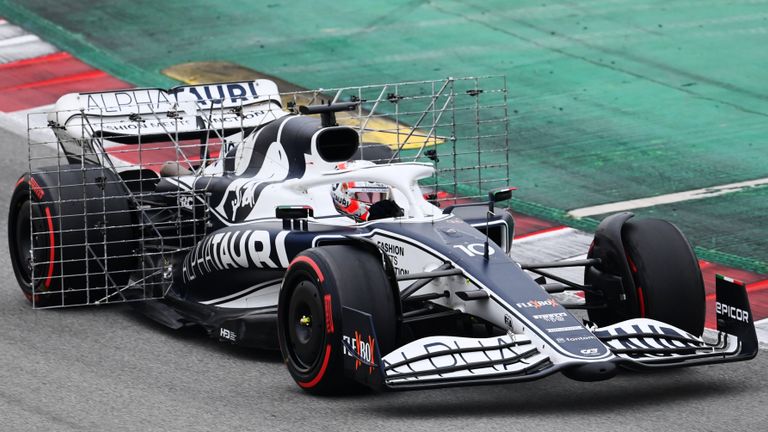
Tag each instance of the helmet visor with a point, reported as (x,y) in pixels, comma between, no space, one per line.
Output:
(371,197)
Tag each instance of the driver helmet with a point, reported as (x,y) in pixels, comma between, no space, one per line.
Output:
(353,199)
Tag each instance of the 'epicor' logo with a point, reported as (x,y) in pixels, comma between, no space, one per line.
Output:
(732,312)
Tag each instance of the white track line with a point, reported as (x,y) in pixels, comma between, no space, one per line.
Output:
(17,40)
(668,198)
(546,233)
(17,44)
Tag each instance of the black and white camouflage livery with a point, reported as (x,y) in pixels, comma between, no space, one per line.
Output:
(230,279)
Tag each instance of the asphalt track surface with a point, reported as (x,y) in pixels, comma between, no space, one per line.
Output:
(110,369)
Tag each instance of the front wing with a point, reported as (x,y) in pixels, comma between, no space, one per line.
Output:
(641,343)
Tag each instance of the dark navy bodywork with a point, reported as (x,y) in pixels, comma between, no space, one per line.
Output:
(230,260)
(228,281)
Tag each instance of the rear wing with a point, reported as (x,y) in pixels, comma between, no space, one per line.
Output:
(152,114)
(182,109)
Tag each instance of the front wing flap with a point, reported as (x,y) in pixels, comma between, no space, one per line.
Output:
(438,361)
(646,343)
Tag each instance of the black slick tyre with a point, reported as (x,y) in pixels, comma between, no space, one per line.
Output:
(317,284)
(72,222)
(668,281)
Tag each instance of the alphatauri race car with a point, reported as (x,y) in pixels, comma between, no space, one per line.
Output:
(360,230)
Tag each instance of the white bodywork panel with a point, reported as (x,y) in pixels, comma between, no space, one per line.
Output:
(509,354)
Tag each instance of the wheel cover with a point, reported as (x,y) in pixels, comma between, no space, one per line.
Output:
(304,325)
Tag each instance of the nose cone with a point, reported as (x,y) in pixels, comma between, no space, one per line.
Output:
(591,371)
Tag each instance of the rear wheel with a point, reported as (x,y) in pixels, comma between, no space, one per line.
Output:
(71,234)
(318,283)
(22,243)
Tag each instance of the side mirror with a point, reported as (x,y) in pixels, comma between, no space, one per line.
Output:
(494,196)
(290,214)
(500,194)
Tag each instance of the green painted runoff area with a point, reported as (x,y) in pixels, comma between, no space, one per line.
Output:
(609,100)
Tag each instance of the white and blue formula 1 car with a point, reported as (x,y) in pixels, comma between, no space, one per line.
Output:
(229,207)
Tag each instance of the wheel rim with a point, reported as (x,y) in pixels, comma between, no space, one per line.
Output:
(304,326)
(23,241)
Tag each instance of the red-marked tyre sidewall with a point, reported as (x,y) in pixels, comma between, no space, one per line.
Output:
(25,204)
(668,281)
(78,213)
(343,276)
(316,378)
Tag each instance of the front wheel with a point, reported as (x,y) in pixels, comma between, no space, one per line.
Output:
(665,272)
(318,283)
